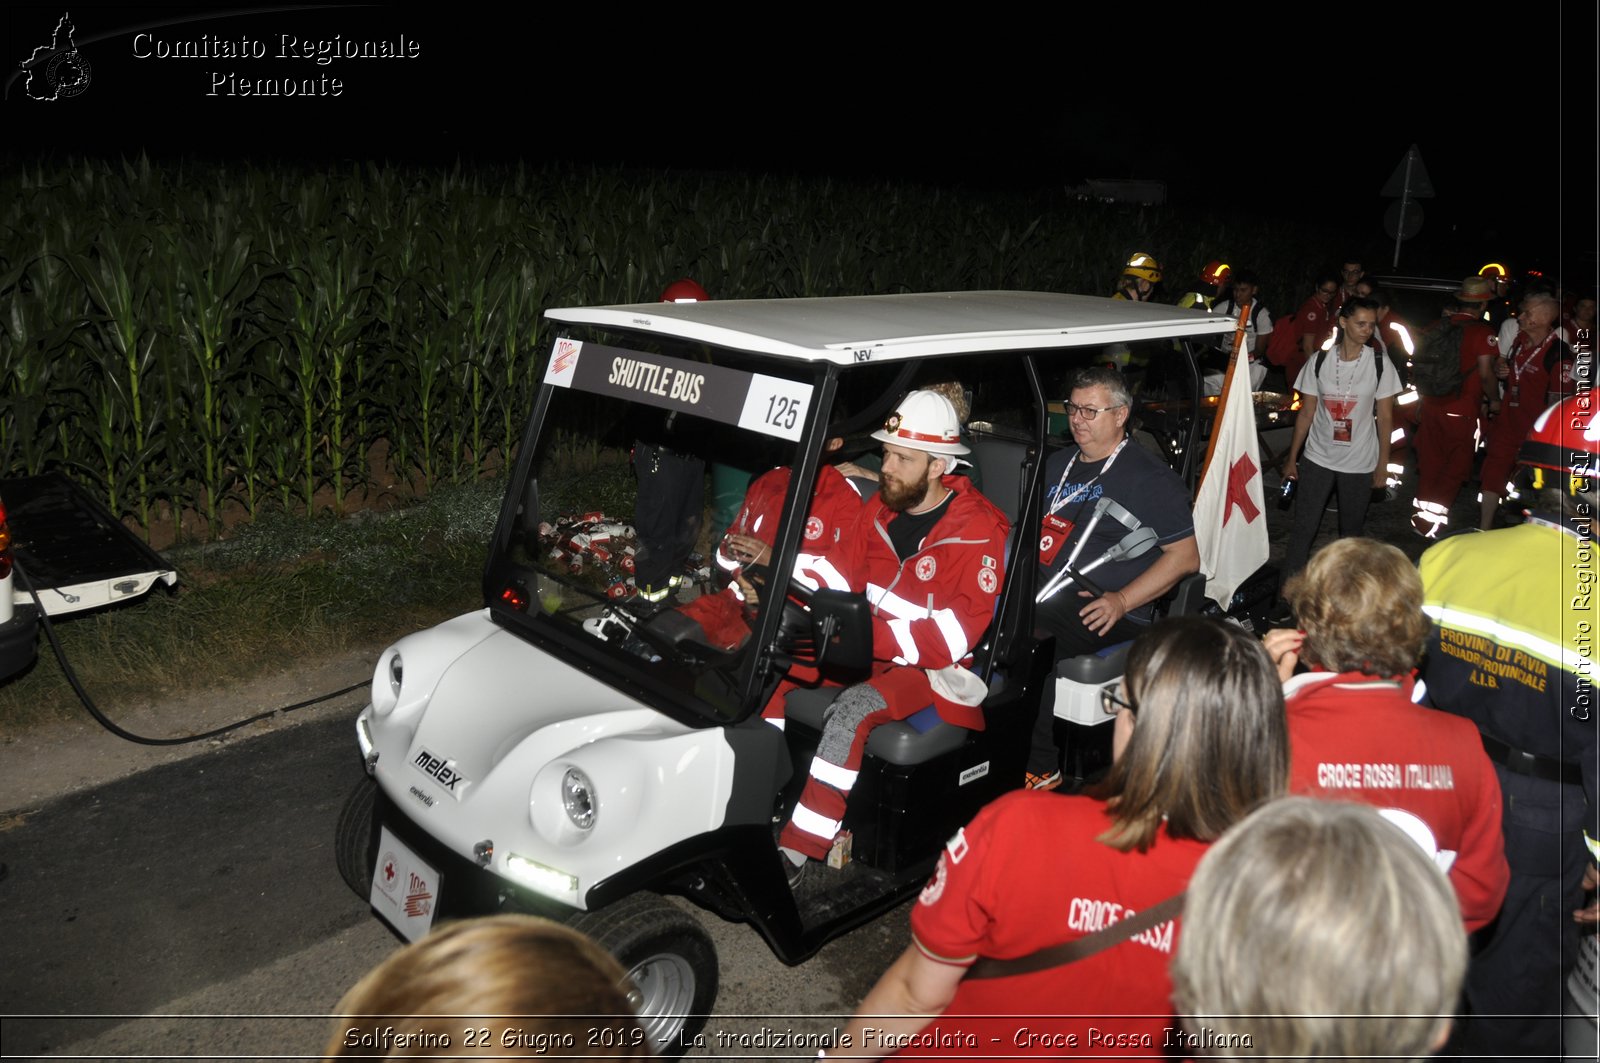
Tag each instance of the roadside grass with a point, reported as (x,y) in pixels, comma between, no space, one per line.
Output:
(284,588)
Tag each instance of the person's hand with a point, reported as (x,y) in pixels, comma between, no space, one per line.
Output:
(1291,469)
(851,469)
(1502,368)
(747,549)
(752,598)
(1380,478)
(1283,646)
(1102,614)
(1590,914)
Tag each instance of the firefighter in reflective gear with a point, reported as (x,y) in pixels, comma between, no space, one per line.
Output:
(1500,305)
(1511,648)
(929,553)
(1139,278)
(1215,280)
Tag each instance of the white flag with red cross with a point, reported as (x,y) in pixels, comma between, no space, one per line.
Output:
(1230,517)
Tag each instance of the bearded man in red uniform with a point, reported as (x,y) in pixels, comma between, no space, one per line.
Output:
(929,553)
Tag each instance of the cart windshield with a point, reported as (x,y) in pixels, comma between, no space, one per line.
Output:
(639,538)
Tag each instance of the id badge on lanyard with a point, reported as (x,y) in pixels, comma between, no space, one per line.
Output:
(1054,531)
(1339,413)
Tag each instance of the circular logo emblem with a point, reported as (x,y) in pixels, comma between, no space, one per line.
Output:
(893,423)
(988,580)
(1046,542)
(68,74)
(935,887)
(388,873)
(813,528)
(926,568)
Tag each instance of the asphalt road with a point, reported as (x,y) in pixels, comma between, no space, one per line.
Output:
(196,909)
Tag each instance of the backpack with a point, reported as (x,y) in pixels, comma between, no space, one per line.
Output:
(1283,342)
(1255,317)
(1436,363)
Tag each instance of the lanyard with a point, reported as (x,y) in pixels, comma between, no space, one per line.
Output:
(1061,500)
(1339,386)
(1520,367)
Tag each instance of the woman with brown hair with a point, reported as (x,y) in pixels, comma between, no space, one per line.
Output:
(1355,731)
(508,985)
(1198,742)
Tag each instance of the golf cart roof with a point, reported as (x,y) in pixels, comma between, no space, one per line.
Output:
(889,327)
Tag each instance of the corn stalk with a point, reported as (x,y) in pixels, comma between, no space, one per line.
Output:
(216,277)
(116,277)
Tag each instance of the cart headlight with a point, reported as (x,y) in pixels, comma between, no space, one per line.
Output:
(387,679)
(551,881)
(577,797)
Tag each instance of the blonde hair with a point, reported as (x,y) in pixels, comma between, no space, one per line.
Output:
(1210,741)
(513,985)
(1359,602)
(1316,929)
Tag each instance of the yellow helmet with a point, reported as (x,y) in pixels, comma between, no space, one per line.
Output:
(1144,266)
(1494,269)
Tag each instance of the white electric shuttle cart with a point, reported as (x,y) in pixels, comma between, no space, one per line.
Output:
(565,751)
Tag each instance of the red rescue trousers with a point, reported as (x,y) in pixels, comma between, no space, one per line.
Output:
(818,815)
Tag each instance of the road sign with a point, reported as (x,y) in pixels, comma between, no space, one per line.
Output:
(1408,183)
(1410,178)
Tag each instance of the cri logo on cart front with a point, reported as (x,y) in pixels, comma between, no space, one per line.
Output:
(439,768)
(388,876)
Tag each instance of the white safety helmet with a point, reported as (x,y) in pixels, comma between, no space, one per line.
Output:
(926,421)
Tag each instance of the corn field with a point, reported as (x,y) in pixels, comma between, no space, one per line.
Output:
(201,339)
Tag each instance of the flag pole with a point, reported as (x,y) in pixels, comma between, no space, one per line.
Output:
(1222,400)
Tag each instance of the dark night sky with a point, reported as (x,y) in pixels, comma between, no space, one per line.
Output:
(1289,126)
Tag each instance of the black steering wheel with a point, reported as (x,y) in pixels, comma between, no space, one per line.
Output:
(794,628)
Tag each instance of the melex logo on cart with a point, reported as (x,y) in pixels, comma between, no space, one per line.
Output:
(441,769)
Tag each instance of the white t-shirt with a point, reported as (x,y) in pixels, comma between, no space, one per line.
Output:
(1344,433)
(1259,324)
(1508,334)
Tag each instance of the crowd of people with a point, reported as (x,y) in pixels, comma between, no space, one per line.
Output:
(1371,832)
(1453,701)
(1498,352)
